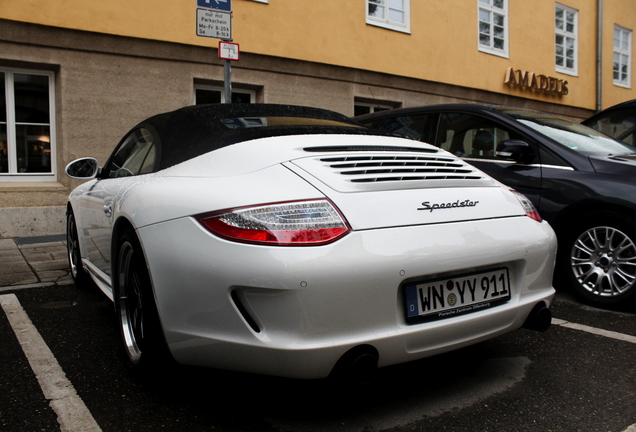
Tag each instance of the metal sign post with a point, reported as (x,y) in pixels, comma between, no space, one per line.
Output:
(227,81)
(228,51)
(214,19)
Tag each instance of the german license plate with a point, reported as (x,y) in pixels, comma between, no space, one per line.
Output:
(459,295)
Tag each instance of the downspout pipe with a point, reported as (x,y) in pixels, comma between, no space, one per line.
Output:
(599,57)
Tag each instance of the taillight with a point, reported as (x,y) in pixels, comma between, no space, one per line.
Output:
(296,223)
(527,205)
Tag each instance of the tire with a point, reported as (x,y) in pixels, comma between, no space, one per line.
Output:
(74,254)
(136,311)
(599,259)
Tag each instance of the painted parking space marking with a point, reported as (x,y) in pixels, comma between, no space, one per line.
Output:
(596,331)
(72,413)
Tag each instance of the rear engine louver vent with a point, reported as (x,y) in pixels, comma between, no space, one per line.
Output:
(369,169)
(369,148)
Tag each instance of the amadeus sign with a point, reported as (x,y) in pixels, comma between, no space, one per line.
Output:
(532,81)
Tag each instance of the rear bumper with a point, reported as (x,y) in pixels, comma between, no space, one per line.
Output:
(295,311)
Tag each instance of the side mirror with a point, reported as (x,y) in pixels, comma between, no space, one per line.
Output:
(514,150)
(83,169)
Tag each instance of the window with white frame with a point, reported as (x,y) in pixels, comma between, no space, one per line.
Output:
(390,14)
(27,126)
(566,30)
(493,27)
(360,108)
(622,57)
(205,94)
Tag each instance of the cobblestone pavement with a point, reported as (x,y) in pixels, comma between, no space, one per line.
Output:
(33,264)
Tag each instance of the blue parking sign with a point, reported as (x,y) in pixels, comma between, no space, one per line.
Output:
(222,5)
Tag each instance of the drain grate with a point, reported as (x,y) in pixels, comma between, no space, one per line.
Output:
(39,239)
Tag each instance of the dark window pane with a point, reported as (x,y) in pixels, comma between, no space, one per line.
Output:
(207,96)
(31,98)
(4,154)
(33,148)
(3,100)
(241,98)
(361,109)
(408,126)
(466,135)
(376,10)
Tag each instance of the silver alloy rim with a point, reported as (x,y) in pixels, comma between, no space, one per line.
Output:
(130,306)
(72,246)
(603,260)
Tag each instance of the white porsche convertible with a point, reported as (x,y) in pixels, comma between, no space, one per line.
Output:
(290,241)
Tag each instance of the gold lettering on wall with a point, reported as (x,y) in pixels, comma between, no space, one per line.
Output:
(531,81)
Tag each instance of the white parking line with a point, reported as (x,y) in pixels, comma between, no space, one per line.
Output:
(599,332)
(72,414)
(596,331)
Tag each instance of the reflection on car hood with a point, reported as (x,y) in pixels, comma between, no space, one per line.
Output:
(615,164)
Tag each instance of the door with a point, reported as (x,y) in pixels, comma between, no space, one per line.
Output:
(475,138)
(136,155)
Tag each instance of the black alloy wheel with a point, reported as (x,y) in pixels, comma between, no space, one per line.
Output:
(601,261)
(73,248)
(137,315)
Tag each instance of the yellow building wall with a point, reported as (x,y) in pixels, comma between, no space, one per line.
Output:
(622,13)
(442,46)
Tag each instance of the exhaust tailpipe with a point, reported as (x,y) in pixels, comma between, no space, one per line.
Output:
(357,366)
(539,319)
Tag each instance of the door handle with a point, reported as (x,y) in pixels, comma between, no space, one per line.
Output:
(108,209)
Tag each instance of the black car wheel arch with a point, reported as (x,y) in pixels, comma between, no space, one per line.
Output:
(73,250)
(136,311)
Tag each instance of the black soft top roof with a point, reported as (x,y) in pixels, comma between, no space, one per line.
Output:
(195,130)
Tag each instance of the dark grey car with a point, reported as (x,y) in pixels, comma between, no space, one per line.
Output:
(581,181)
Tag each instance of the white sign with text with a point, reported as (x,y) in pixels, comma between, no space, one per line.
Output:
(214,24)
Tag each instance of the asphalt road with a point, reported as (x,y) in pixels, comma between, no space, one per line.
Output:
(571,378)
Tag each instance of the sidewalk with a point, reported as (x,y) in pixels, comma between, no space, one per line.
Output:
(40,262)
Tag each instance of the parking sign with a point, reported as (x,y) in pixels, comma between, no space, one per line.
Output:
(221,5)
(214,24)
